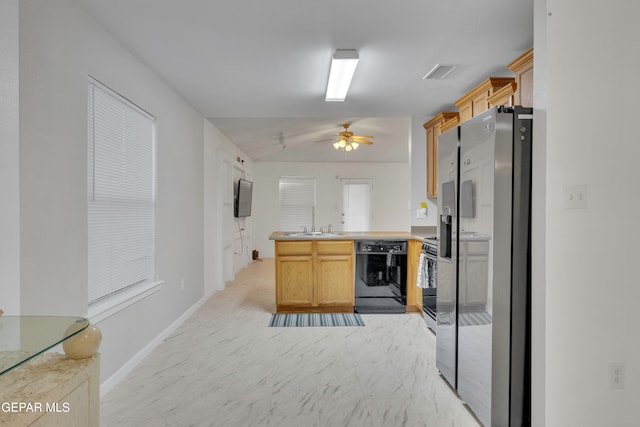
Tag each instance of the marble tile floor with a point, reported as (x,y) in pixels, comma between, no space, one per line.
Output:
(225,367)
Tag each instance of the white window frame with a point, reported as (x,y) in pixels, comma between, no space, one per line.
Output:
(300,211)
(126,205)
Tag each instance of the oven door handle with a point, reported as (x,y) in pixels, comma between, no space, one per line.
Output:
(431,257)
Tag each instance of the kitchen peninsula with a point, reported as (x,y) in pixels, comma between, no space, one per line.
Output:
(315,271)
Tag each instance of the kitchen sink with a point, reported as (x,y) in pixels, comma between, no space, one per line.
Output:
(313,234)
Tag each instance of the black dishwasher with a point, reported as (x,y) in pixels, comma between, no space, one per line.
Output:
(381,276)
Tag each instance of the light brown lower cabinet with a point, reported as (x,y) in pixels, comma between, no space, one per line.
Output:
(294,280)
(414,293)
(314,276)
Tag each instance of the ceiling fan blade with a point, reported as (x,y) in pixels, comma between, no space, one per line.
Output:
(362,136)
(365,142)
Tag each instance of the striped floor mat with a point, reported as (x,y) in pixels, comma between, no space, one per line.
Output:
(316,319)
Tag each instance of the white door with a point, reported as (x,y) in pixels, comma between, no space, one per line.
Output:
(356,204)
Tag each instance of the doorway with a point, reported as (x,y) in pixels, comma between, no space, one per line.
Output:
(357,195)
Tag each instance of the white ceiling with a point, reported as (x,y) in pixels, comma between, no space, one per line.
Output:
(258,68)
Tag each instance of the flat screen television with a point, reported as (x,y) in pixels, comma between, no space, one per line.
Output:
(242,207)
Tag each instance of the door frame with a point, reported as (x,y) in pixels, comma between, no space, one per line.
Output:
(368,181)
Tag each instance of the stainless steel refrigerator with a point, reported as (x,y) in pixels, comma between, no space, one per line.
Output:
(483,309)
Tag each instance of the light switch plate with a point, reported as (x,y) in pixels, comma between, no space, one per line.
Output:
(616,374)
(575,196)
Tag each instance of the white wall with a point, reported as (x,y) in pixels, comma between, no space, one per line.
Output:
(592,288)
(220,227)
(60,45)
(418,150)
(538,220)
(9,159)
(391,195)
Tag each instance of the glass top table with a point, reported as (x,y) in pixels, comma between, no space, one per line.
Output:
(24,337)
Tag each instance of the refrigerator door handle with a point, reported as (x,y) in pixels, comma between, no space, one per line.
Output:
(445,236)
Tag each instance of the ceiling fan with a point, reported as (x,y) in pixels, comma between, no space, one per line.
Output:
(347,141)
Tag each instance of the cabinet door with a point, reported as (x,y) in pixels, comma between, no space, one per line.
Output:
(294,285)
(432,164)
(480,104)
(437,130)
(522,66)
(503,96)
(433,132)
(414,293)
(524,95)
(335,285)
(466,111)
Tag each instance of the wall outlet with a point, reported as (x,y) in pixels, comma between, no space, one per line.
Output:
(575,196)
(616,374)
(421,213)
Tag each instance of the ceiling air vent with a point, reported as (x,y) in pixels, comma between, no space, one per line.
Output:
(439,72)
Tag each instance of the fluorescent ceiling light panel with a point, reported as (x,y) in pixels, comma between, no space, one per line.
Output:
(343,65)
(439,72)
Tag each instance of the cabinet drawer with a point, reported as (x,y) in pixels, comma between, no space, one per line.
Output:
(283,247)
(335,247)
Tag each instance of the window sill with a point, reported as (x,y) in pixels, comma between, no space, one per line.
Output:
(105,309)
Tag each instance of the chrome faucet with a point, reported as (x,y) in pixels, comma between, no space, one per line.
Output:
(328,229)
(313,219)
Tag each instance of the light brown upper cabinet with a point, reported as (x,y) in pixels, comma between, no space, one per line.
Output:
(477,100)
(450,123)
(523,69)
(434,127)
(504,96)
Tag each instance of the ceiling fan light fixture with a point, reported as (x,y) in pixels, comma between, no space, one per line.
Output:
(346,145)
(348,141)
(343,66)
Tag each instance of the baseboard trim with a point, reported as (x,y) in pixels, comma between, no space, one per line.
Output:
(107,385)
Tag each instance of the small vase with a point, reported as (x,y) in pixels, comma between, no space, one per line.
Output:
(83,344)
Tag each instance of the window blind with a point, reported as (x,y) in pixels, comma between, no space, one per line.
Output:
(297,202)
(121,193)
